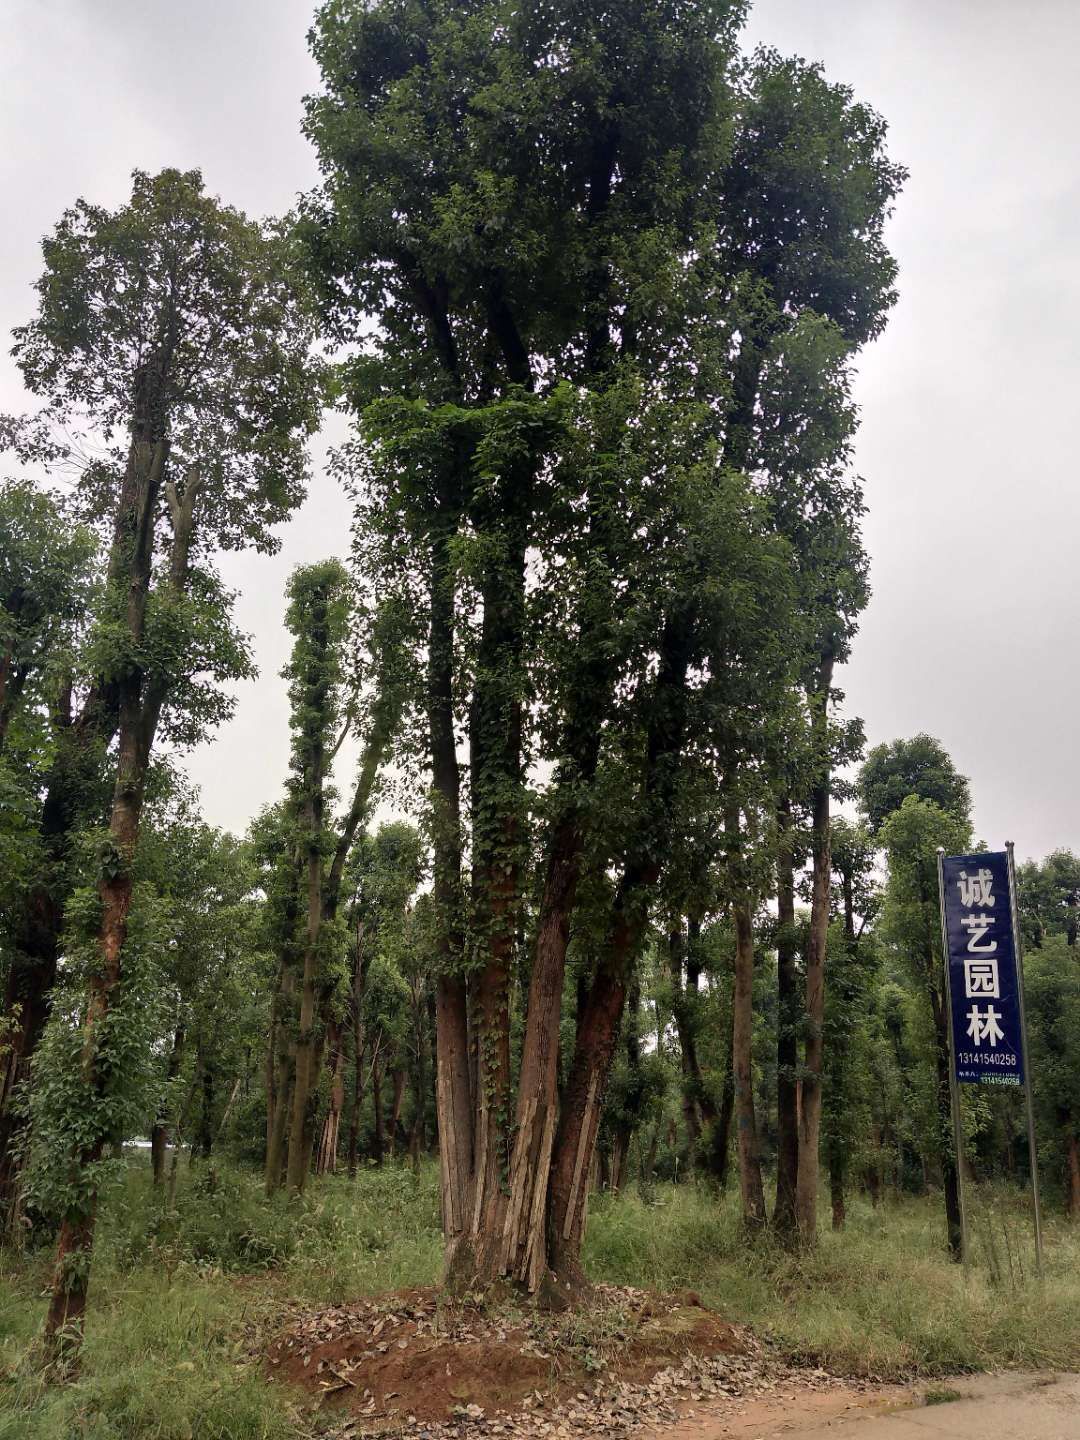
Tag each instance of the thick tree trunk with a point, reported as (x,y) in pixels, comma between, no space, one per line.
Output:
(787,1035)
(75,790)
(597,1035)
(810,1101)
(598,1020)
(498,806)
(537,1109)
(326,1160)
(453,1091)
(138,721)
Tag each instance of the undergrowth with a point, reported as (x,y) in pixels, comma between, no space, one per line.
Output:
(183,1301)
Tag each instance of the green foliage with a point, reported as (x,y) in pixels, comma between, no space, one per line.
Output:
(67,1116)
(917,767)
(176,282)
(1052,1002)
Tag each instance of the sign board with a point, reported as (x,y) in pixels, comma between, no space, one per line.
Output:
(983,970)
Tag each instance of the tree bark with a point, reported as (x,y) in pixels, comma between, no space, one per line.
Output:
(692,1086)
(139,711)
(284,1063)
(751,1187)
(307,1050)
(396,1102)
(326,1160)
(787,1034)
(378,1134)
(816,946)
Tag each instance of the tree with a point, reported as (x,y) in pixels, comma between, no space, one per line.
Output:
(561,294)
(317,617)
(310,854)
(1049,898)
(45,593)
(1052,996)
(45,565)
(174,321)
(918,766)
(911,837)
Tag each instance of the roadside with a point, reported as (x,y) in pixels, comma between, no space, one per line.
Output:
(1030,1405)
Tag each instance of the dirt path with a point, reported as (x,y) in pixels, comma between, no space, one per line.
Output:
(1020,1406)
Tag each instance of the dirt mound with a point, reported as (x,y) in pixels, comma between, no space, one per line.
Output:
(415,1360)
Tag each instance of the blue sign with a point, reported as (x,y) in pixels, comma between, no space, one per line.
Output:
(984,984)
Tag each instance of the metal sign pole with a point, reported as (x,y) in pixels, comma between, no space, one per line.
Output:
(1033,1156)
(954,1089)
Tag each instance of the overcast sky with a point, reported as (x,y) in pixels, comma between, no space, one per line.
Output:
(968,402)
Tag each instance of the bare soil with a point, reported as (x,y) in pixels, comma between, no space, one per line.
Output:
(414,1361)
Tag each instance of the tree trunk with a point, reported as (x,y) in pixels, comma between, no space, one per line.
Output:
(203,1143)
(326,1161)
(810,1101)
(719,1146)
(950,1177)
(74,790)
(787,1034)
(30,977)
(537,1107)
(159,1135)
(597,1035)
(419,1088)
(284,1074)
(397,1101)
(598,1020)
(692,1087)
(138,721)
(751,1187)
(378,1137)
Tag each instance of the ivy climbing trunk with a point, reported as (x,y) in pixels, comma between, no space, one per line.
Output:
(307,1051)
(140,704)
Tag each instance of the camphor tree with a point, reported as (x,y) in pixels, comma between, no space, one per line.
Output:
(311,848)
(556,404)
(46,561)
(173,340)
(1052,995)
(911,836)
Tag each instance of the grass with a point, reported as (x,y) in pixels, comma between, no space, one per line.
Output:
(179,1304)
(880,1299)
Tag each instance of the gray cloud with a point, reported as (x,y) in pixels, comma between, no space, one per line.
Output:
(967,401)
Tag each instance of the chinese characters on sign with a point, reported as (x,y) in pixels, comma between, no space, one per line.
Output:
(982,967)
